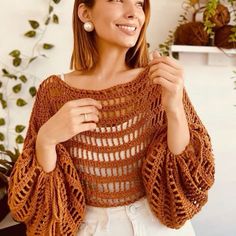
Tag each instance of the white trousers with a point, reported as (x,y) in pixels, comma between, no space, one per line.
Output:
(135,219)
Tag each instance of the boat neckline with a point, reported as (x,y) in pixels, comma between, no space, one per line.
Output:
(137,77)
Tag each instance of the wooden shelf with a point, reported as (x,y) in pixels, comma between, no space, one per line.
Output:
(200,49)
(205,55)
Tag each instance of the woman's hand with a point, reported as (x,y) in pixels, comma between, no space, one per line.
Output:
(70,120)
(169,74)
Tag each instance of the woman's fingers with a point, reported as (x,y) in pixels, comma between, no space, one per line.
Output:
(165,75)
(166,60)
(164,83)
(89,117)
(86,110)
(86,127)
(85,102)
(164,67)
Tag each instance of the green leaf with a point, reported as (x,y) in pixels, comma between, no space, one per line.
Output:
(50,9)
(11,76)
(34,24)
(47,46)
(5,72)
(23,78)
(20,102)
(32,59)
(43,55)
(3,178)
(32,91)
(19,128)
(55,19)
(4,104)
(30,34)
(0,84)
(15,53)
(17,88)
(56,1)
(5,163)
(19,139)
(1,96)
(17,61)
(47,21)
(13,156)
(2,148)
(2,121)
(2,137)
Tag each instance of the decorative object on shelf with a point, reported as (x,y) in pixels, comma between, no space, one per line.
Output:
(220,17)
(17,73)
(212,29)
(222,37)
(191,33)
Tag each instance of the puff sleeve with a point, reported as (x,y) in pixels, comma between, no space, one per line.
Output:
(48,203)
(177,185)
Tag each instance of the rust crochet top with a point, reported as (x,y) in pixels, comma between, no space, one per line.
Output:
(125,158)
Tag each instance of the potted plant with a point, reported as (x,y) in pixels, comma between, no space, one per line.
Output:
(7,161)
(212,30)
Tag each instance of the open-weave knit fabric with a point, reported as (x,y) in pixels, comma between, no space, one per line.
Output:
(124,159)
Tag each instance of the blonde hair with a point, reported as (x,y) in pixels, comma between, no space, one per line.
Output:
(85,54)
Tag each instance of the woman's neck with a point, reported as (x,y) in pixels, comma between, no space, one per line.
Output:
(111,62)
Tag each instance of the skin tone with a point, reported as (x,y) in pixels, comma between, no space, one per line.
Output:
(113,43)
(170,75)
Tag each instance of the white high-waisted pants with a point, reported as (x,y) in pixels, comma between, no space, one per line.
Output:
(135,219)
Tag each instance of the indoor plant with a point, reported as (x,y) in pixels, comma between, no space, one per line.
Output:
(7,160)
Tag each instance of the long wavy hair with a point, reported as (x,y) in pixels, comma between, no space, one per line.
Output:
(85,54)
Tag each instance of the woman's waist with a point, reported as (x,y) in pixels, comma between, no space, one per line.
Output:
(112,200)
(130,205)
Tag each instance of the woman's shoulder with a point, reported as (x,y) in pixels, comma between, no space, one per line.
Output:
(48,86)
(49,81)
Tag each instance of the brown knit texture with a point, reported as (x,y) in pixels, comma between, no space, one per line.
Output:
(124,159)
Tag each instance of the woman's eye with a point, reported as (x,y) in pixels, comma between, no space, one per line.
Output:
(140,4)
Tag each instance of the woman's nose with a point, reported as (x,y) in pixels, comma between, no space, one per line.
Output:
(130,11)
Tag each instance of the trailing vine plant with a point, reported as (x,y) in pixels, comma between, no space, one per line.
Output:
(16,75)
(210,7)
(189,7)
(232,37)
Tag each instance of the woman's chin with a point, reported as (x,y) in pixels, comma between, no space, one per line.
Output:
(128,44)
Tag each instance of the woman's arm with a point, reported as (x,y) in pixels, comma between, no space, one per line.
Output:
(48,203)
(179,167)
(178,135)
(177,185)
(45,153)
(166,71)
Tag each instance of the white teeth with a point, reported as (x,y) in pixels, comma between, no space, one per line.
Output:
(129,28)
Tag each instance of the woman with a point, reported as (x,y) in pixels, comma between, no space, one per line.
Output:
(114,147)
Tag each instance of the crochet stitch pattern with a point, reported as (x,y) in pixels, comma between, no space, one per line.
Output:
(124,159)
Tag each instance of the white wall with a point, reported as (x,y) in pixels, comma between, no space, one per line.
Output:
(210,89)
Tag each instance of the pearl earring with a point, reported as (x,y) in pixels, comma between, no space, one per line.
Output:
(88,26)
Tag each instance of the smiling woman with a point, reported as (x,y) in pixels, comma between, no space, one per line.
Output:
(117,147)
(108,27)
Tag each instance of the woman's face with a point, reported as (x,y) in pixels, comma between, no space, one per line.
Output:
(118,22)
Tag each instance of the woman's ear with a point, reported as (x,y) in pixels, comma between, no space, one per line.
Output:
(84,13)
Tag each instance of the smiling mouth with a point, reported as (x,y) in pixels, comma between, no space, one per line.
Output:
(127,28)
